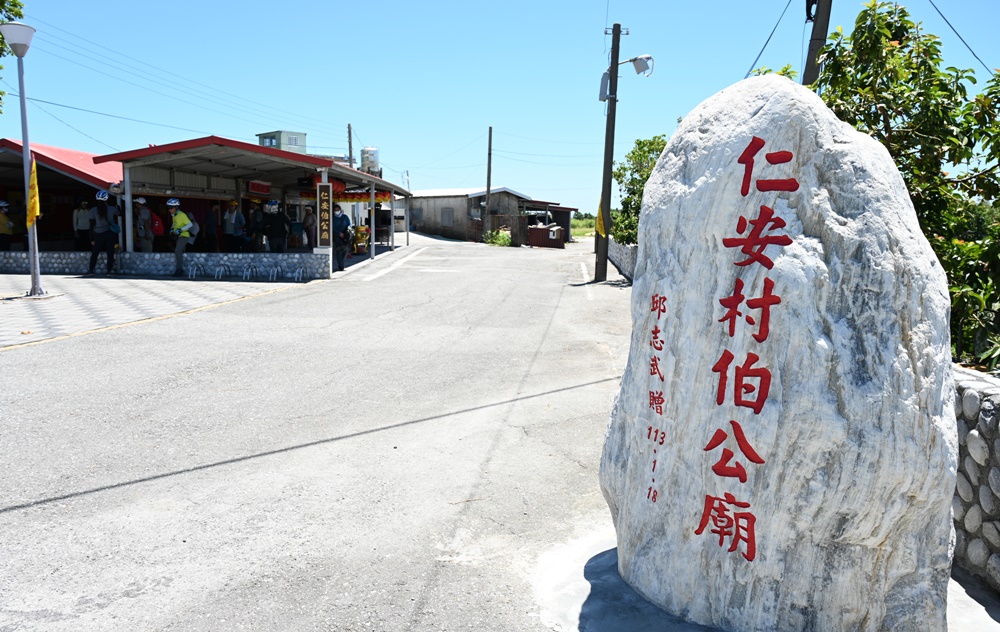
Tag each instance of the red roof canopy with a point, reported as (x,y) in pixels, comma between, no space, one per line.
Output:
(79,165)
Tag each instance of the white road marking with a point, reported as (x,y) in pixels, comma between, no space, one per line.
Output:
(586,281)
(393,266)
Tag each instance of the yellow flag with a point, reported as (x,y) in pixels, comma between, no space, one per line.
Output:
(600,222)
(33,211)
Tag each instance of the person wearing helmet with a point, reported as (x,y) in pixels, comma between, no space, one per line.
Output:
(180,223)
(6,227)
(144,227)
(102,237)
(276,226)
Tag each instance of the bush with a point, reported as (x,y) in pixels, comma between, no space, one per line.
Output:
(625,228)
(499,237)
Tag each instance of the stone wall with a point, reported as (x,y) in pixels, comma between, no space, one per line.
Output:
(976,504)
(623,257)
(204,264)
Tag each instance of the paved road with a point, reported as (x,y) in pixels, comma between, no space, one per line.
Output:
(410,446)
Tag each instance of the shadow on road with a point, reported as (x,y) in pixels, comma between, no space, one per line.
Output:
(613,605)
(249,457)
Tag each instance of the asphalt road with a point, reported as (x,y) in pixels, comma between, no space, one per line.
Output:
(412,445)
(396,449)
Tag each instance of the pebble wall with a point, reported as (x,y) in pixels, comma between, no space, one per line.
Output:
(623,257)
(263,265)
(976,505)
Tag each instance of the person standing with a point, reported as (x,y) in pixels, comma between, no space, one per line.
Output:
(232,227)
(180,223)
(276,226)
(6,227)
(341,227)
(144,226)
(210,229)
(81,226)
(102,237)
(309,227)
(256,228)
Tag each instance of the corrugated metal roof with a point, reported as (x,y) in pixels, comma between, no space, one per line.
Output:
(467,192)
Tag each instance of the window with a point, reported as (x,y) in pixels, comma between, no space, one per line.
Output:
(447,216)
(269,141)
(293,141)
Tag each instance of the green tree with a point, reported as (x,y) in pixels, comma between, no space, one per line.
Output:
(631,176)
(10,10)
(886,79)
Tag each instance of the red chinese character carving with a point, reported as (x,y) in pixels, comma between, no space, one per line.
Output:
(654,368)
(741,387)
(656,401)
(763,303)
(656,342)
(723,467)
(753,245)
(659,305)
(739,525)
(774,158)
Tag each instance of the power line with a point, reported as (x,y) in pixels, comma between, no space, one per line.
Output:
(960,37)
(60,120)
(768,39)
(115,116)
(317,122)
(542,140)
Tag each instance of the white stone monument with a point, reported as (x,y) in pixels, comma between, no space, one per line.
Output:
(782,452)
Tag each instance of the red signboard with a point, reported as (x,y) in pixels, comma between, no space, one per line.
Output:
(261,188)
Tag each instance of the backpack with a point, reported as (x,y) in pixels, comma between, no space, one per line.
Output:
(195,228)
(156,224)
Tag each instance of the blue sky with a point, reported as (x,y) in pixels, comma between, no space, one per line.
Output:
(422,82)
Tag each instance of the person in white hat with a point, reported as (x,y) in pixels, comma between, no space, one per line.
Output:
(145,225)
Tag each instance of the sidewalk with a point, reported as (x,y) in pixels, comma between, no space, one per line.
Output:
(75,304)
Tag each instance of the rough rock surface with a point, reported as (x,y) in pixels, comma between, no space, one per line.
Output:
(852,504)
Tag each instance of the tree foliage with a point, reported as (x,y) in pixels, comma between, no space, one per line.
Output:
(886,79)
(631,175)
(10,10)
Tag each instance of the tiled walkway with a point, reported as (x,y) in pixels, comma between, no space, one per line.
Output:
(76,304)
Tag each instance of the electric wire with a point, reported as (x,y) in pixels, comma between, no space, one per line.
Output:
(754,64)
(960,37)
(115,116)
(319,122)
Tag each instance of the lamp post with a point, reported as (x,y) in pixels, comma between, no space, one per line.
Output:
(609,93)
(18,37)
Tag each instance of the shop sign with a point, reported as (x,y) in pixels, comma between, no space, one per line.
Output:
(324,197)
(257,186)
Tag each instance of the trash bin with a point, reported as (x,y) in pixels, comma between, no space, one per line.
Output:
(550,236)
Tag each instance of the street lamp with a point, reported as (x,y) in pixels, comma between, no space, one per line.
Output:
(18,37)
(643,65)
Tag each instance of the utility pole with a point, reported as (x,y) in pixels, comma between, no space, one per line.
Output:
(817,12)
(350,147)
(489,173)
(601,265)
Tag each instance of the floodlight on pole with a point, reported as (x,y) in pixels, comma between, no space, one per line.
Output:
(18,37)
(643,65)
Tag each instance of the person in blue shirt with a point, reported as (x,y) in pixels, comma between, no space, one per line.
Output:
(341,227)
